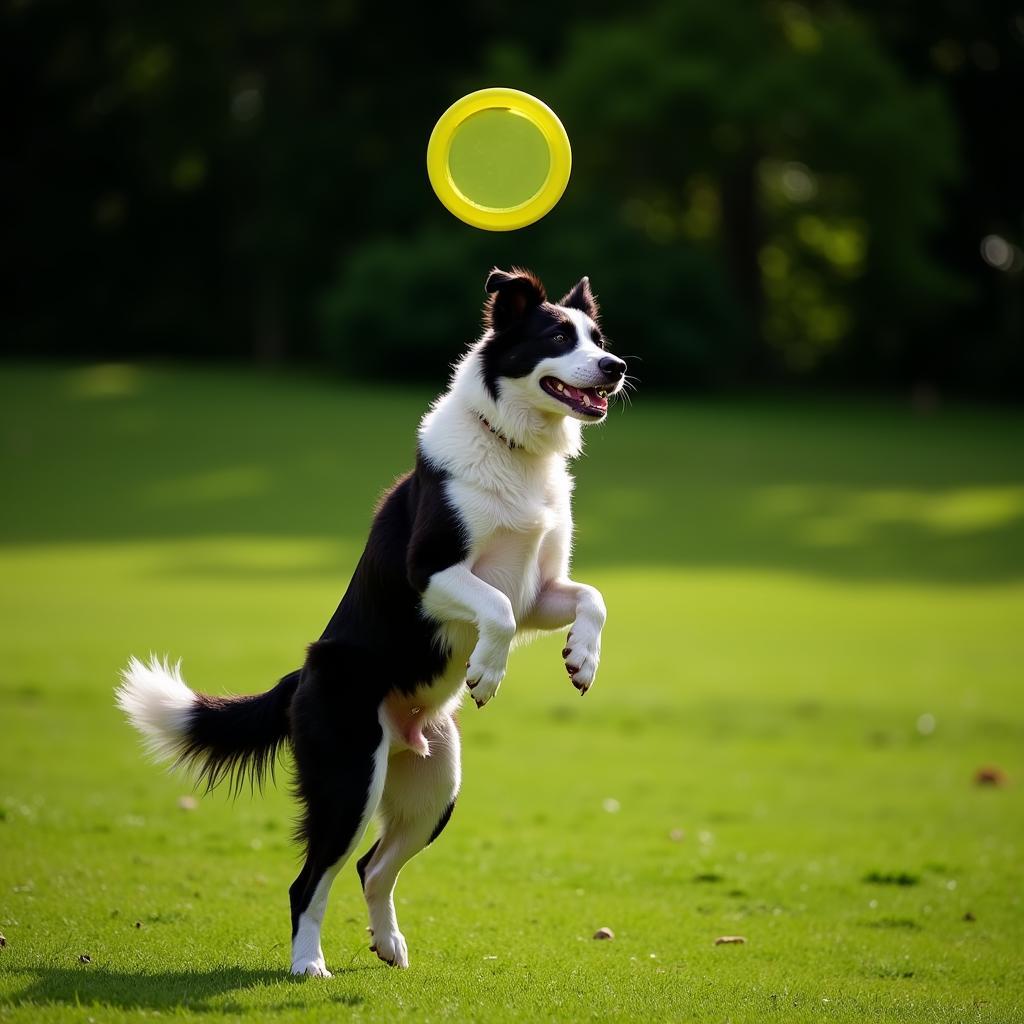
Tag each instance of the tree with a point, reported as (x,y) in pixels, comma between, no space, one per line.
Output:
(790,146)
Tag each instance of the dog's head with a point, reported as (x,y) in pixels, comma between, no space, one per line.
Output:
(551,356)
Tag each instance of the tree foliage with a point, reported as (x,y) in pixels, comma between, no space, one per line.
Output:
(757,187)
(754,188)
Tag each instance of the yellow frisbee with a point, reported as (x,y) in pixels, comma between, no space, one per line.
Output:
(499,159)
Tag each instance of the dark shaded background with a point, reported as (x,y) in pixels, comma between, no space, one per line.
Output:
(763,193)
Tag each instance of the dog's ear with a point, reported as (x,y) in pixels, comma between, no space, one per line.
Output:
(512,294)
(582,298)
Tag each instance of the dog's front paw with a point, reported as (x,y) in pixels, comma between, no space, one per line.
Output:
(582,654)
(311,968)
(485,671)
(391,948)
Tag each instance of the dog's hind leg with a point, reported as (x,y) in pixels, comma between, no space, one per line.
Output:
(418,799)
(341,761)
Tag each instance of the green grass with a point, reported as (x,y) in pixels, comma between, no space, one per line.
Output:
(816,638)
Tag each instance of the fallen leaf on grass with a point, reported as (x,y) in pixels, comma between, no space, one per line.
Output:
(730,940)
(990,775)
(891,878)
(604,933)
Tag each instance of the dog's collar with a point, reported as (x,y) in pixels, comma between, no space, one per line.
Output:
(507,442)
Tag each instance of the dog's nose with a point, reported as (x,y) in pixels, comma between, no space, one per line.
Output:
(614,369)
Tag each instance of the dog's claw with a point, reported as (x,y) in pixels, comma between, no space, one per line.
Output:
(566,651)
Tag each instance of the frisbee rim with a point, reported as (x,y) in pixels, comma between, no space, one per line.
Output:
(499,218)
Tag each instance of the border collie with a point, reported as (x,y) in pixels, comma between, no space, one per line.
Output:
(467,554)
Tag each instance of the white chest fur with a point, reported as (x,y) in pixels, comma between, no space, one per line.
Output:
(513,504)
(517,529)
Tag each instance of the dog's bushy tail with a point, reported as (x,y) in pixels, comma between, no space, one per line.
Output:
(233,738)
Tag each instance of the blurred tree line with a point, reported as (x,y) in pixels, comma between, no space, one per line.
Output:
(762,191)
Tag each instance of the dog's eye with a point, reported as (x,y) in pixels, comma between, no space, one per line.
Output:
(560,338)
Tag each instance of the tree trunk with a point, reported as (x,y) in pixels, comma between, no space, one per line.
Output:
(269,344)
(741,222)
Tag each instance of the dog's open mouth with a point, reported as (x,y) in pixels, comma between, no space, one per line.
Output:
(587,401)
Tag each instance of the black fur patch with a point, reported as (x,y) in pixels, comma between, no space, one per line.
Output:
(415,534)
(363,861)
(511,294)
(376,641)
(582,298)
(335,736)
(439,827)
(237,738)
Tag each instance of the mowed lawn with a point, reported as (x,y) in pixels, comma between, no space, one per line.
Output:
(816,640)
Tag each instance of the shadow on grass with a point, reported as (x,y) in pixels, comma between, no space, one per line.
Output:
(839,489)
(165,990)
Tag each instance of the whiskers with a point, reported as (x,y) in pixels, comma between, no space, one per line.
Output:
(629,384)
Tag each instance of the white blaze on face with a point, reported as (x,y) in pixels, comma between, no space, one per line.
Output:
(580,366)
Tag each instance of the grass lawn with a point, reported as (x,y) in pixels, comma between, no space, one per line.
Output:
(816,639)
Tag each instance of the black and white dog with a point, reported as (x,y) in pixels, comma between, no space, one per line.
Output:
(468,553)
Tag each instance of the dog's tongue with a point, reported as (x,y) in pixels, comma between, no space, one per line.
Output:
(587,397)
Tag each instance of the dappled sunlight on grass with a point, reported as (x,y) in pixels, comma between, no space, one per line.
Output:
(104,380)
(844,489)
(959,526)
(848,516)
